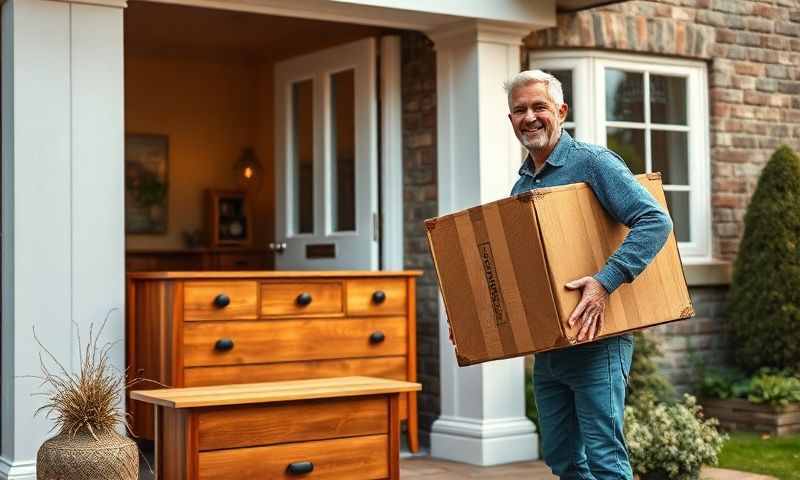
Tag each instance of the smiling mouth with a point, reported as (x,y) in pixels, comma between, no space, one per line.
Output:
(534,129)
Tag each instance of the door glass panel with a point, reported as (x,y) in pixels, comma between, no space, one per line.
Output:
(678,204)
(628,143)
(624,96)
(670,153)
(343,154)
(667,100)
(565,77)
(303,154)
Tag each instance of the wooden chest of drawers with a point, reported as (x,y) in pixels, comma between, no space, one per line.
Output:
(336,428)
(191,329)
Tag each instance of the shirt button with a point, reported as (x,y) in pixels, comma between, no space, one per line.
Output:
(538,180)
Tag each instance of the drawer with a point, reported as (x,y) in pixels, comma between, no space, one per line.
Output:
(376,296)
(213,300)
(381,367)
(344,458)
(301,298)
(293,422)
(267,341)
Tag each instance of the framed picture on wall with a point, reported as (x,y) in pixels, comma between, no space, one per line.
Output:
(146,183)
(230,219)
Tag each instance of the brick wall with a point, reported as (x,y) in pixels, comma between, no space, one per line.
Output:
(753,52)
(752,49)
(419,196)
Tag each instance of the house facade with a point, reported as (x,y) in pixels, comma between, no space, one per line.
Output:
(702,90)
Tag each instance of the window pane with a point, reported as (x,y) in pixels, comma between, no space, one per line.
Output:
(343,155)
(303,158)
(670,154)
(628,143)
(667,99)
(678,204)
(624,96)
(565,77)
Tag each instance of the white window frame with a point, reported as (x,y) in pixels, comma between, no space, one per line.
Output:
(588,91)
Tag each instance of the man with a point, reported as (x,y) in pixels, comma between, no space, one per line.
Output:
(580,391)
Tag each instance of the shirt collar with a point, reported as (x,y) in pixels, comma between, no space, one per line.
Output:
(556,158)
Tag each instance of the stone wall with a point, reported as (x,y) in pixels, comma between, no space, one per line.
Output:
(701,339)
(420,203)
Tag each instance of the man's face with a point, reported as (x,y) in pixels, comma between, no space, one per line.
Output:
(535,117)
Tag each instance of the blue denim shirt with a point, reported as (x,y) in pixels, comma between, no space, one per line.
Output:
(620,194)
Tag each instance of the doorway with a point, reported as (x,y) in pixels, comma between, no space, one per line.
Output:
(214,94)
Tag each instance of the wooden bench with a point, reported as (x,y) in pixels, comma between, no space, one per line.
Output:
(337,428)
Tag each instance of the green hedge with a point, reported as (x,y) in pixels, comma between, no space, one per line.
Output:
(764,308)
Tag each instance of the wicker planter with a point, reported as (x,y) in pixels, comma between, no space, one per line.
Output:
(113,457)
(740,415)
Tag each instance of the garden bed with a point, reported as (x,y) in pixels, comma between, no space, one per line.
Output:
(739,415)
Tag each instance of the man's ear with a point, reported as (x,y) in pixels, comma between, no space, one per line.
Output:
(562,112)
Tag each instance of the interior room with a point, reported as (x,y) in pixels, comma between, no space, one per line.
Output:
(199,123)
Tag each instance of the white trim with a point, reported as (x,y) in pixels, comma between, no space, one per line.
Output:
(99,3)
(10,470)
(324,10)
(391,153)
(589,85)
(487,442)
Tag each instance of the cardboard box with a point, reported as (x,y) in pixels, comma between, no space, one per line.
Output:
(502,268)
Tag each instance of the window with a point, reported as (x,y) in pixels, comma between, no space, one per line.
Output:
(653,113)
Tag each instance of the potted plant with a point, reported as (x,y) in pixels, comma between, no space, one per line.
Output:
(84,407)
(671,441)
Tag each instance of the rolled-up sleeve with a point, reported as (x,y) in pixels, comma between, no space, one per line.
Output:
(631,204)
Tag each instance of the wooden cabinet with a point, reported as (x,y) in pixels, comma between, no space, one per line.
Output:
(337,428)
(192,329)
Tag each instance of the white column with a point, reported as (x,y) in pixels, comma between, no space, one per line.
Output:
(483,406)
(63,199)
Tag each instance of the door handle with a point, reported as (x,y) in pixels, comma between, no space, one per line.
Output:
(277,247)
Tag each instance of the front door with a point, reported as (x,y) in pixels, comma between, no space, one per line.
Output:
(326,160)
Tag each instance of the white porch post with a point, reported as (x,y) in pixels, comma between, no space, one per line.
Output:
(483,406)
(62,187)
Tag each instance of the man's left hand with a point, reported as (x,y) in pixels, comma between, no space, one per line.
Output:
(590,312)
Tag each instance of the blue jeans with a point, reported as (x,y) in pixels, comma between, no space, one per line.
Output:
(580,396)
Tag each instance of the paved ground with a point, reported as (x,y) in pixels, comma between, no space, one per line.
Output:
(425,467)
(419,467)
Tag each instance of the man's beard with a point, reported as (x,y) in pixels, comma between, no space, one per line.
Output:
(537,142)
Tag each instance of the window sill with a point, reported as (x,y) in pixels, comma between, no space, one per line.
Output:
(708,273)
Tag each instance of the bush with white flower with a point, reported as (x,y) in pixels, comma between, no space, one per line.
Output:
(671,441)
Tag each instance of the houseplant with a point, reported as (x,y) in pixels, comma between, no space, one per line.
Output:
(84,407)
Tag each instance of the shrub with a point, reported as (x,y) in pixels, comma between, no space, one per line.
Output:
(646,382)
(671,440)
(774,389)
(764,308)
(767,386)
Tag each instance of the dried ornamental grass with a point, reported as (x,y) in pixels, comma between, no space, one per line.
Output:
(87,400)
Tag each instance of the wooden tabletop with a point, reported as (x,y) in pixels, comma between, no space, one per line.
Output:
(249,393)
(257,274)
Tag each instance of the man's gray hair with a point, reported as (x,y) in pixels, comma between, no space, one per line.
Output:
(533,76)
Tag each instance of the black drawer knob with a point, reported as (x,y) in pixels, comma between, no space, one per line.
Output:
(223,345)
(303,299)
(300,468)
(378,297)
(222,300)
(377,337)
